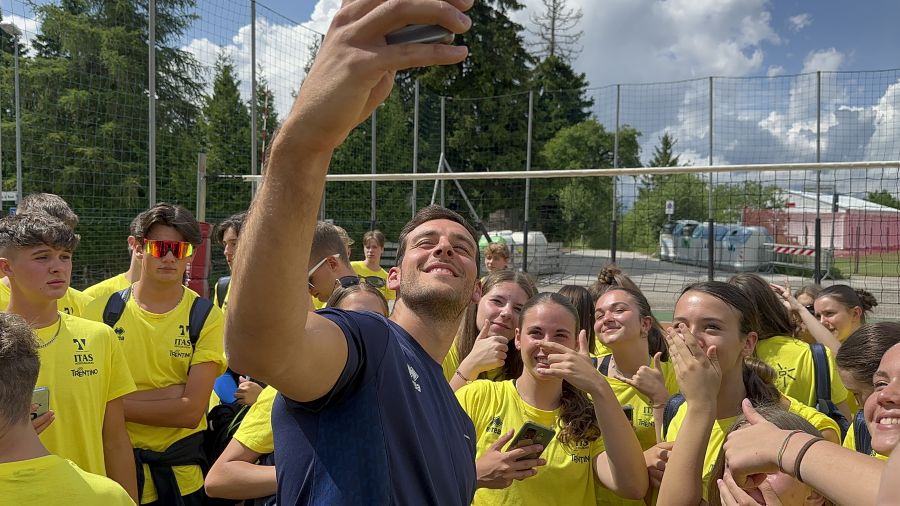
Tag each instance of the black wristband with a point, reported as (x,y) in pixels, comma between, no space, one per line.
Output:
(800,455)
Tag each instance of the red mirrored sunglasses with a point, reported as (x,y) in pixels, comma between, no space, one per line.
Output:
(159,249)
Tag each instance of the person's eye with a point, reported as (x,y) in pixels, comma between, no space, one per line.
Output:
(462,249)
(879,385)
(517,309)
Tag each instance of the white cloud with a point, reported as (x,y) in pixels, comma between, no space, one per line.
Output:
(281,53)
(800,21)
(775,70)
(30,28)
(825,60)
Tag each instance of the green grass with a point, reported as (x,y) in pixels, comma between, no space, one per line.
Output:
(879,264)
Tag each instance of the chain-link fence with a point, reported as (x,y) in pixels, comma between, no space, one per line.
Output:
(85,122)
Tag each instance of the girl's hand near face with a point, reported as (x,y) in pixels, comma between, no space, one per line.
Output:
(574,366)
(697,371)
(488,352)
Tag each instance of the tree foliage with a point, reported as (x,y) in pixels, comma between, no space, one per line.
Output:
(556,30)
(884,198)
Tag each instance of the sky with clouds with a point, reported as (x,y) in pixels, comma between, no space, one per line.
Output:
(680,42)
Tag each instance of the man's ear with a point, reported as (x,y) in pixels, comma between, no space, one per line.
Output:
(393,279)
(136,248)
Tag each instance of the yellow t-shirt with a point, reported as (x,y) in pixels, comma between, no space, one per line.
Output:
(362,271)
(568,478)
(158,350)
(850,442)
(73,302)
(55,481)
(795,373)
(641,419)
(721,427)
(84,368)
(255,431)
(107,287)
(451,364)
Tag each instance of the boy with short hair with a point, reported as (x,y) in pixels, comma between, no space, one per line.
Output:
(107,287)
(174,372)
(74,301)
(496,256)
(84,368)
(373,246)
(29,473)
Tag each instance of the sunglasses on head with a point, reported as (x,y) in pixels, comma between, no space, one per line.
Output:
(373,281)
(159,249)
(312,271)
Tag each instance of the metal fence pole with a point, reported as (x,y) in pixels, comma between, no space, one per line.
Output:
(614,232)
(817,269)
(443,141)
(415,160)
(711,236)
(201,187)
(151,86)
(374,168)
(527,183)
(254,166)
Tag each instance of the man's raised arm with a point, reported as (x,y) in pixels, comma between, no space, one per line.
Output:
(270,333)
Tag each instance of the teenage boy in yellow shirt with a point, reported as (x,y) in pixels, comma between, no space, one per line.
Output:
(370,269)
(29,473)
(83,366)
(73,301)
(174,374)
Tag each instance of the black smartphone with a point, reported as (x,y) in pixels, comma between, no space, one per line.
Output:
(629,412)
(420,34)
(530,434)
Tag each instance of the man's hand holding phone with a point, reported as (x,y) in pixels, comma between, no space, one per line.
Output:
(497,468)
(41,416)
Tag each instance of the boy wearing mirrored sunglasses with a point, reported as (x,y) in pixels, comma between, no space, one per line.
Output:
(174,375)
(82,365)
(329,266)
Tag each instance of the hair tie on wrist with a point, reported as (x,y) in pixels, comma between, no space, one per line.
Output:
(800,455)
(783,447)
(467,380)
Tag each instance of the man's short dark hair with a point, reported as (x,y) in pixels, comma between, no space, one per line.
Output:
(35,229)
(51,204)
(169,215)
(19,367)
(327,241)
(431,213)
(235,221)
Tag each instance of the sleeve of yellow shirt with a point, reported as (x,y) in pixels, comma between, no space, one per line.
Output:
(210,346)
(255,431)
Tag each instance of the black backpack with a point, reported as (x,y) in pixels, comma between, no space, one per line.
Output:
(222,289)
(823,388)
(670,410)
(200,309)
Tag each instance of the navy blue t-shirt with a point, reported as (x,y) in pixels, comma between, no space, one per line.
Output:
(390,431)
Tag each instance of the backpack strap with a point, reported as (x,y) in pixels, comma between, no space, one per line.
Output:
(222,289)
(862,437)
(200,309)
(115,306)
(604,365)
(671,409)
(823,374)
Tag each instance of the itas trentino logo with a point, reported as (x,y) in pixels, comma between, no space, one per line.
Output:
(414,376)
(80,343)
(120,333)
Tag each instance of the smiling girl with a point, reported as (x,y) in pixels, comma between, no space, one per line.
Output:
(484,345)
(558,388)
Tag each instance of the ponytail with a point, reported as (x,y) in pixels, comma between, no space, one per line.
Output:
(759,380)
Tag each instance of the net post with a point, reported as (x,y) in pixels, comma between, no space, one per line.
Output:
(443,140)
(711,235)
(527,182)
(151,86)
(415,160)
(817,268)
(201,187)
(614,229)
(374,168)
(254,167)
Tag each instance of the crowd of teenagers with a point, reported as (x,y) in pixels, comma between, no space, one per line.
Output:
(425,384)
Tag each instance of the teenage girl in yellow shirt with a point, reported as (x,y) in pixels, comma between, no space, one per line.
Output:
(560,388)
(839,311)
(483,347)
(711,346)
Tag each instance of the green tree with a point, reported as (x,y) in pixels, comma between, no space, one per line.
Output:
(884,198)
(580,209)
(266,117)
(226,139)
(555,30)
(560,99)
